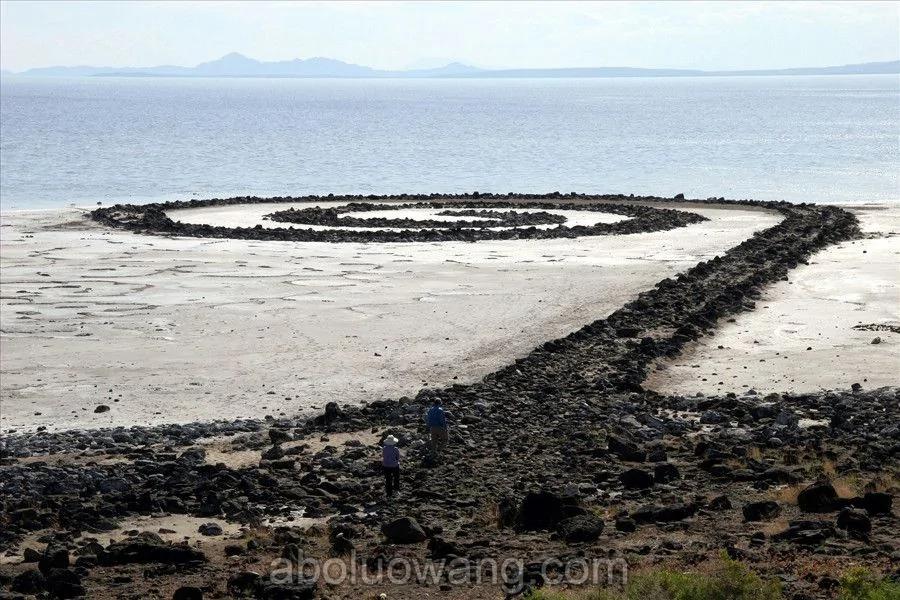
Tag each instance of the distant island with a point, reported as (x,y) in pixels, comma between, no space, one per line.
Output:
(238,65)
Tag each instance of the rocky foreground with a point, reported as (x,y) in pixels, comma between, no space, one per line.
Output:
(560,455)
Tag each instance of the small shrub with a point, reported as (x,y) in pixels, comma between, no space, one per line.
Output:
(730,580)
(862,584)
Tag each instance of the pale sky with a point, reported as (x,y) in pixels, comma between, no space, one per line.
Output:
(396,35)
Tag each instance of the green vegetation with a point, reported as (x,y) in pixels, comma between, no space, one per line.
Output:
(862,584)
(729,580)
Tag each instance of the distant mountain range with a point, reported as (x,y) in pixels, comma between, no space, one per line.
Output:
(238,65)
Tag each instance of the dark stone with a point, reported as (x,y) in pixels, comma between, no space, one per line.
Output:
(636,479)
(273,453)
(626,449)
(287,591)
(279,436)
(404,530)
(113,485)
(808,533)
(779,475)
(763,411)
(877,503)
(856,522)
(581,528)
(148,551)
(244,584)
(665,472)
(720,503)
(31,581)
(102,408)
(439,547)
(30,555)
(819,497)
(333,412)
(712,417)
(63,583)
(56,556)
(761,511)
(664,514)
(210,529)
(544,510)
(188,593)
(626,524)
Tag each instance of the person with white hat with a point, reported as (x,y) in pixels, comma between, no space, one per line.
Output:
(390,462)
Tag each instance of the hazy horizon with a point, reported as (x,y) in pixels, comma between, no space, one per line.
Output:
(412,35)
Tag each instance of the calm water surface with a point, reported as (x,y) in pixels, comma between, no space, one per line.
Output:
(822,139)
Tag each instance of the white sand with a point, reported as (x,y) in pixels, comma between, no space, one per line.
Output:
(802,335)
(183,329)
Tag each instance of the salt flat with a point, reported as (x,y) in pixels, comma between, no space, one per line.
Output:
(812,332)
(173,330)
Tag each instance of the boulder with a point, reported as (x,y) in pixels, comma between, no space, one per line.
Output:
(404,530)
(210,529)
(808,533)
(544,510)
(63,583)
(665,472)
(764,411)
(636,479)
(580,528)
(711,417)
(856,522)
(438,548)
(193,456)
(818,497)
(303,590)
(113,485)
(30,555)
(55,556)
(626,449)
(29,582)
(720,503)
(761,511)
(664,514)
(138,551)
(187,592)
(273,453)
(626,524)
(877,503)
(279,436)
(244,584)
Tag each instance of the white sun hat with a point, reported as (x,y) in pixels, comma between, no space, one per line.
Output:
(390,441)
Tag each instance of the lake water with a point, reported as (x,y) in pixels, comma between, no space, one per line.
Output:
(820,139)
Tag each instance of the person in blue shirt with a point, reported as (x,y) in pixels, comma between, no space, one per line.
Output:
(436,419)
